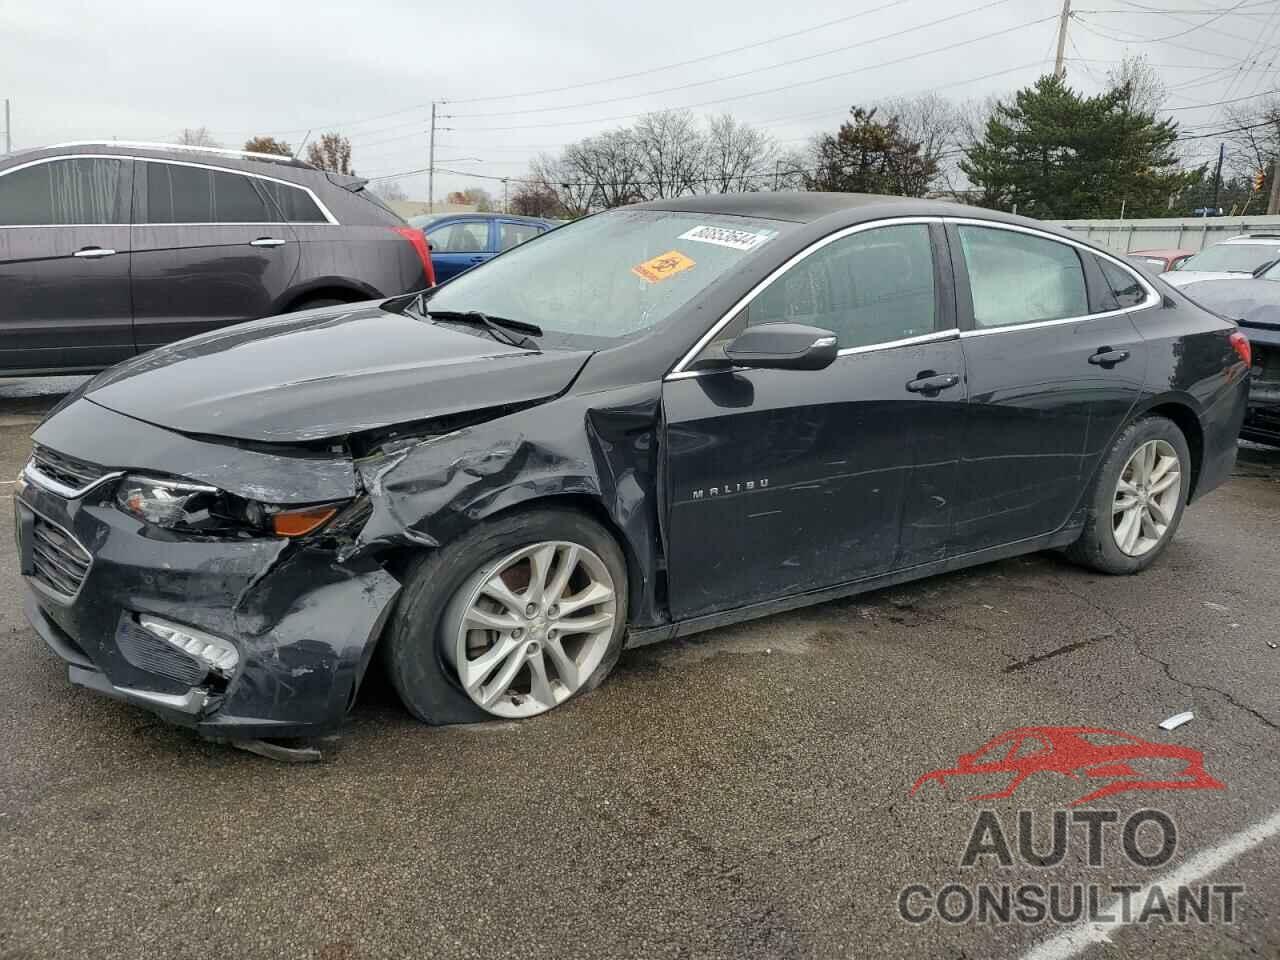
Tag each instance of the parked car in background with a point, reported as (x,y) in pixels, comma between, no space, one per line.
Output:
(1232,258)
(459,241)
(110,249)
(1254,303)
(1161,261)
(653,421)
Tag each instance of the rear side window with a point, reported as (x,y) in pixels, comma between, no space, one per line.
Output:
(1124,285)
(461,236)
(514,234)
(1019,278)
(86,190)
(292,203)
(179,194)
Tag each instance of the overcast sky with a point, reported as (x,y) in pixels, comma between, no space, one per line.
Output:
(144,69)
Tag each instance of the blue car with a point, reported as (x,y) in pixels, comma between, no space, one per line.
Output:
(459,241)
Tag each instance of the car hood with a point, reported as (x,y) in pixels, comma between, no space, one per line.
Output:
(327,373)
(1180,278)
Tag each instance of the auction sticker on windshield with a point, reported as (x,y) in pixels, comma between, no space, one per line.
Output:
(663,266)
(726,237)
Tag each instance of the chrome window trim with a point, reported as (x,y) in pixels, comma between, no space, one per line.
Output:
(678,372)
(46,482)
(330,219)
(151,145)
(1152,298)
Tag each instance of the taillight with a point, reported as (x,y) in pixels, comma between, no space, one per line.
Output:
(419,243)
(1240,343)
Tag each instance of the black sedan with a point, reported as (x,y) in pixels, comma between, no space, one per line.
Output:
(1254,303)
(651,422)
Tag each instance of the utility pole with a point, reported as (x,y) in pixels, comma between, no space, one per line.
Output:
(8,138)
(1060,68)
(505,208)
(1217,176)
(431,163)
(1273,204)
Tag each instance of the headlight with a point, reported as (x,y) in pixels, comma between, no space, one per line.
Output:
(197,508)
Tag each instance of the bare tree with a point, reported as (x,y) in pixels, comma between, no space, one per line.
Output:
(737,157)
(390,190)
(672,150)
(197,137)
(936,124)
(1147,93)
(612,164)
(559,179)
(535,200)
(331,152)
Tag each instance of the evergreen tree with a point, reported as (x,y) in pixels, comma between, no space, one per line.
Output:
(870,156)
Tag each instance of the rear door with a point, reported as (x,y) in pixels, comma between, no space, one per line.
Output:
(458,245)
(786,481)
(211,248)
(1055,366)
(64,264)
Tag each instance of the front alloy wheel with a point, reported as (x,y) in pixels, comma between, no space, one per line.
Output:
(526,633)
(1146,497)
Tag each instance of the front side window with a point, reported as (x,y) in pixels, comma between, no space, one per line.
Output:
(461,236)
(181,194)
(1019,278)
(81,190)
(871,287)
(609,277)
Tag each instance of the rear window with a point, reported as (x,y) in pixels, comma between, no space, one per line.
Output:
(1233,257)
(293,203)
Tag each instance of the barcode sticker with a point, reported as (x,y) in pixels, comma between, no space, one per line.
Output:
(726,237)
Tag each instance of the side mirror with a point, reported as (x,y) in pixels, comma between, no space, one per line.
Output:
(783,346)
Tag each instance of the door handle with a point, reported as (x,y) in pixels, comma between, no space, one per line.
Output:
(94,253)
(1108,358)
(477,259)
(266,242)
(931,384)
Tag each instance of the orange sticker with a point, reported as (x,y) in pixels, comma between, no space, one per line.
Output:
(662,267)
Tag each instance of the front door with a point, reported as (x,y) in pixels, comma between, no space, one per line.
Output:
(780,482)
(1055,365)
(64,264)
(459,245)
(209,250)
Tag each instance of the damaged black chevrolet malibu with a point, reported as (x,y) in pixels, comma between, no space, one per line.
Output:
(644,424)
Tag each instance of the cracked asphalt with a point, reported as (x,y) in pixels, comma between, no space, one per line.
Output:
(742,794)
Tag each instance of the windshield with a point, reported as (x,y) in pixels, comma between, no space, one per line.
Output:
(1233,257)
(609,277)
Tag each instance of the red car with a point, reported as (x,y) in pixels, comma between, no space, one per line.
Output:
(1160,261)
(1077,752)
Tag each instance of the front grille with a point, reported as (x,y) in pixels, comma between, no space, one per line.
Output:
(146,651)
(1266,364)
(60,563)
(68,471)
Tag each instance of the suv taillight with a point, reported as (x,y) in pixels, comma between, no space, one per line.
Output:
(1240,343)
(418,241)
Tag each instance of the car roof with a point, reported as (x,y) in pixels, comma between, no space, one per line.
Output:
(1163,252)
(810,207)
(1270,239)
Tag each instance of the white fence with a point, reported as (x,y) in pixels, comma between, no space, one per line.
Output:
(1189,233)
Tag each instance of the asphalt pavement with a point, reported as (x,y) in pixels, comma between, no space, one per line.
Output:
(746,793)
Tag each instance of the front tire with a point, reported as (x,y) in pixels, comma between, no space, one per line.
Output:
(511,620)
(1136,503)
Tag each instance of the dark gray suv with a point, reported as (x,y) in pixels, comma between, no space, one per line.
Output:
(110,249)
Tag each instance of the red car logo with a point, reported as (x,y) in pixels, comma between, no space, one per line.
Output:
(1078,752)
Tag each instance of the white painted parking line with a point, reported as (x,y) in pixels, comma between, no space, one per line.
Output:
(1074,940)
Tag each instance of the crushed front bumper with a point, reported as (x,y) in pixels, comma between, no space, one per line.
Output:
(304,624)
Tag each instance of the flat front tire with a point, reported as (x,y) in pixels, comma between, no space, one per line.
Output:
(1136,503)
(514,619)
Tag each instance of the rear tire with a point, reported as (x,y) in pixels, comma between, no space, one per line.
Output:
(1137,499)
(432,642)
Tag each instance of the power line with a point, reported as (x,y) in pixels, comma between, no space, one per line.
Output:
(788,86)
(1194,27)
(1217,103)
(740,75)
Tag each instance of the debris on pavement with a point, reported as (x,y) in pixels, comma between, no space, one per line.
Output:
(1177,720)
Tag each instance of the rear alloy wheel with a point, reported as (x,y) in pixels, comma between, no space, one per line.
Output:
(1147,497)
(524,633)
(1135,503)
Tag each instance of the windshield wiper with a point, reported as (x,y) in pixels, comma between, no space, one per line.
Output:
(514,332)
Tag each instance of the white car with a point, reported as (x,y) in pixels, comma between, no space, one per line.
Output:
(1227,260)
